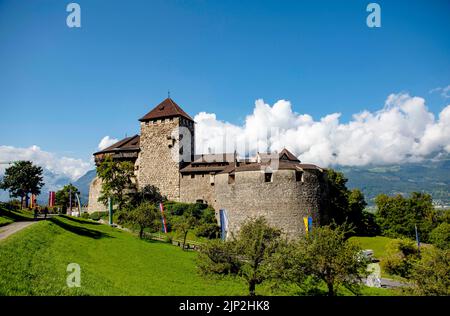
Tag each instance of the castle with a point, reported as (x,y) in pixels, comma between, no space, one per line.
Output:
(275,185)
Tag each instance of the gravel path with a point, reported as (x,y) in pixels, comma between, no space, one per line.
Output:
(12,228)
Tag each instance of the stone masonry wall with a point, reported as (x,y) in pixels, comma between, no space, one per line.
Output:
(94,192)
(283,202)
(197,188)
(159,155)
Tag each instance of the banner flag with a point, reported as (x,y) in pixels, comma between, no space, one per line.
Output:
(163,219)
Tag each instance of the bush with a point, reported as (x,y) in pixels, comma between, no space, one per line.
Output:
(98,215)
(431,274)
(440,236)
(402,254)
(208,230)
(12,205)
(85,215)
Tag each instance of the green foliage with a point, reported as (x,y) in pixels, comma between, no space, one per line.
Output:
(144,216)
(149,193)
(325,255)
(98,215)
(431,275)
(400,258)
(85,215)
(249,255)
(64,196)
(397,216)
(440,236)
(117,181)
(22,178)
(347,206)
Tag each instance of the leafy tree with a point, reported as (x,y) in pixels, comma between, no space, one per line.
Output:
(117,181)
(148,193)
(431,274)
(440,236)
(400,258)
(144,216)
(249,255)
(397,216)
(347,206)
(21,179)
(325,255)
(183,224)
(63,197)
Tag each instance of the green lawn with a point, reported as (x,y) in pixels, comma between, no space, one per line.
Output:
(113,262)
(7,217)
(377,244)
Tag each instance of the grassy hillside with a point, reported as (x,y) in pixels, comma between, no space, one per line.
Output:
(7,217)
(113,262)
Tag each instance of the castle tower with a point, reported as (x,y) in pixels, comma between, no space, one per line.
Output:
(166,146)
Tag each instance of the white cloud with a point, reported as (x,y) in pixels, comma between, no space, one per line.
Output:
(444,92)
(106,142)
(404,130)
(71,167)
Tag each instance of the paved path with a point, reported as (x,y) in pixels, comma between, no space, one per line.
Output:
(12,228)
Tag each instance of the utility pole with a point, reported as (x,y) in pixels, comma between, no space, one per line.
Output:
(417,239)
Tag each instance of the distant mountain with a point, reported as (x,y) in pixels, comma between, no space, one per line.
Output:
(83,185)
(52,182)
(432,176)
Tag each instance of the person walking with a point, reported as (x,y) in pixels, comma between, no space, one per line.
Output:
(45,212)
(35,213)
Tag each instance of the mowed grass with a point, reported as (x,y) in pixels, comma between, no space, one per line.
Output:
(8,217)
(378,244)
(113,262)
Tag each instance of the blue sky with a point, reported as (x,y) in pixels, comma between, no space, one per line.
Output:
(64,89)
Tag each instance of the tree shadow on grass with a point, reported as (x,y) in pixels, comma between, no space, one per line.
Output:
(15,216)
(80,221)
(82,231)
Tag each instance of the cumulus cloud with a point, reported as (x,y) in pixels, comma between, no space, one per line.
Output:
(403,130)
(106,142)
(71,167)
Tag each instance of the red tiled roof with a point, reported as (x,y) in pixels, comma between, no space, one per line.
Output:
(128,143)
(167,108)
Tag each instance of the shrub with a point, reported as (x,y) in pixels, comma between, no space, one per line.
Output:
(97,215)
(440,236)
(208,230)
(85,215)
(431,274)
(401,256)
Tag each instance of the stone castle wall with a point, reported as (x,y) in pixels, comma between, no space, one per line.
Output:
(158,156)
(94,192)
(197,188)
(283,202)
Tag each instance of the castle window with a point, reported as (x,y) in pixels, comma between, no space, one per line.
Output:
(192,176)
(268,177)
(299,176)
(231,179)
(181,150)
(211,179)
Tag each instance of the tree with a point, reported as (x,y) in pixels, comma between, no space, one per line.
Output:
(347,206)
(324,255)
(398,216)
(184,223)
(430,275)
(21,179)
(249,255)
(440,236)
(148,193)
(63,197)
(117,181)
(144,216)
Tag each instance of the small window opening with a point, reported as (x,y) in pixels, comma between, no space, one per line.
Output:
(268,177)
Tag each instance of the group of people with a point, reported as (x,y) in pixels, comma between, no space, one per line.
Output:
(37,210)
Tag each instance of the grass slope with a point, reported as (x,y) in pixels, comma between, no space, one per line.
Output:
(113,262)
(8,217)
